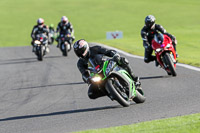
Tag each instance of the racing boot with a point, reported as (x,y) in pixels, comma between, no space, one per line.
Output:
(129,69)
(156,63)
(135,79)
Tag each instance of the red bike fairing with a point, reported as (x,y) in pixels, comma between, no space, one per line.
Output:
(162,45)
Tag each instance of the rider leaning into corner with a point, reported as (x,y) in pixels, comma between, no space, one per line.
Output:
(84,52)
(40,28)
(147,34)
(63,27)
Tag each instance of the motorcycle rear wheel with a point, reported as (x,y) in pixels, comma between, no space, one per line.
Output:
(139,97)
(115,94)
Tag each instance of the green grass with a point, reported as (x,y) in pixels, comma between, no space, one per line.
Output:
(93,18)
(181,124)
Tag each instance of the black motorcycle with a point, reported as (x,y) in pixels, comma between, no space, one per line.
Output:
(41,46)
(64,42)
(51,36)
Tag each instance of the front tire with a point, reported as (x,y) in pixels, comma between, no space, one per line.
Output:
(40,54)
(170,64)
(65,50)
(115,94)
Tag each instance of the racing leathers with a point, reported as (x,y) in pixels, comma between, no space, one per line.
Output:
(147,36)
(65,29)
(82,65)
(38,30)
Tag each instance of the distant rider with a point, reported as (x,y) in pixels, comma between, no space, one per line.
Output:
(84,52)
(64,26)
(51,33)
(51,28)
(148,32)
(40,28)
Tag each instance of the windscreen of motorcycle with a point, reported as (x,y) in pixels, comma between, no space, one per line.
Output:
(159,38)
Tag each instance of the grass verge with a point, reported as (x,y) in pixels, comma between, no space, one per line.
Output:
(93,18)
(181,124)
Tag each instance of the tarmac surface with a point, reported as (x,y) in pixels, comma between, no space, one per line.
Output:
(49,96)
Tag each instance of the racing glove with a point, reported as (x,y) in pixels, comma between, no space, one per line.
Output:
(86,77)
(117,58)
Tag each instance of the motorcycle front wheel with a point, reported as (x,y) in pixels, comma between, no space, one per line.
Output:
(170,64)
(64,49)
(40,54)
(116,94)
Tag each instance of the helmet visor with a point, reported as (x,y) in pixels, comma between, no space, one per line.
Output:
(149,24)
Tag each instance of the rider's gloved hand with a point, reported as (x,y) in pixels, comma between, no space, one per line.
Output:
(174,39)
(88,81)
(116,58)
(86,77)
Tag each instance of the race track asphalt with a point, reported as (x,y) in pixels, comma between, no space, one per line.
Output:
(50,96)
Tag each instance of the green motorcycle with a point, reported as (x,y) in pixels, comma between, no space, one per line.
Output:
(115,82)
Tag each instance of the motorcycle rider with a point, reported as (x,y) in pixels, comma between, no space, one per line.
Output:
(64,26)
(147,34)
(51,33)
(51,27)
(84,52)
(38,29)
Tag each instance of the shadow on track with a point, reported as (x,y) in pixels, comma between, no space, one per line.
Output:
(60,113)
(155,77)
(42,86)
(24,60)
(18,61)
(59,56)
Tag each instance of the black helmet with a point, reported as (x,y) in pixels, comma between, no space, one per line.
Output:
(81,48)
(150,21)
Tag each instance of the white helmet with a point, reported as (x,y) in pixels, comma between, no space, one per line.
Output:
(40,21)
(64,20)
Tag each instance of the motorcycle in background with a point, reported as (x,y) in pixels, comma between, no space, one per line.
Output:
(65,43)
(41,46)
(51,34)
(165,53)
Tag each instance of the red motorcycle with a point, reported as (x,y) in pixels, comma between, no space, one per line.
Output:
(165,53)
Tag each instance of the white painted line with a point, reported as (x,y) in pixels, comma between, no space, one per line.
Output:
(141,57)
